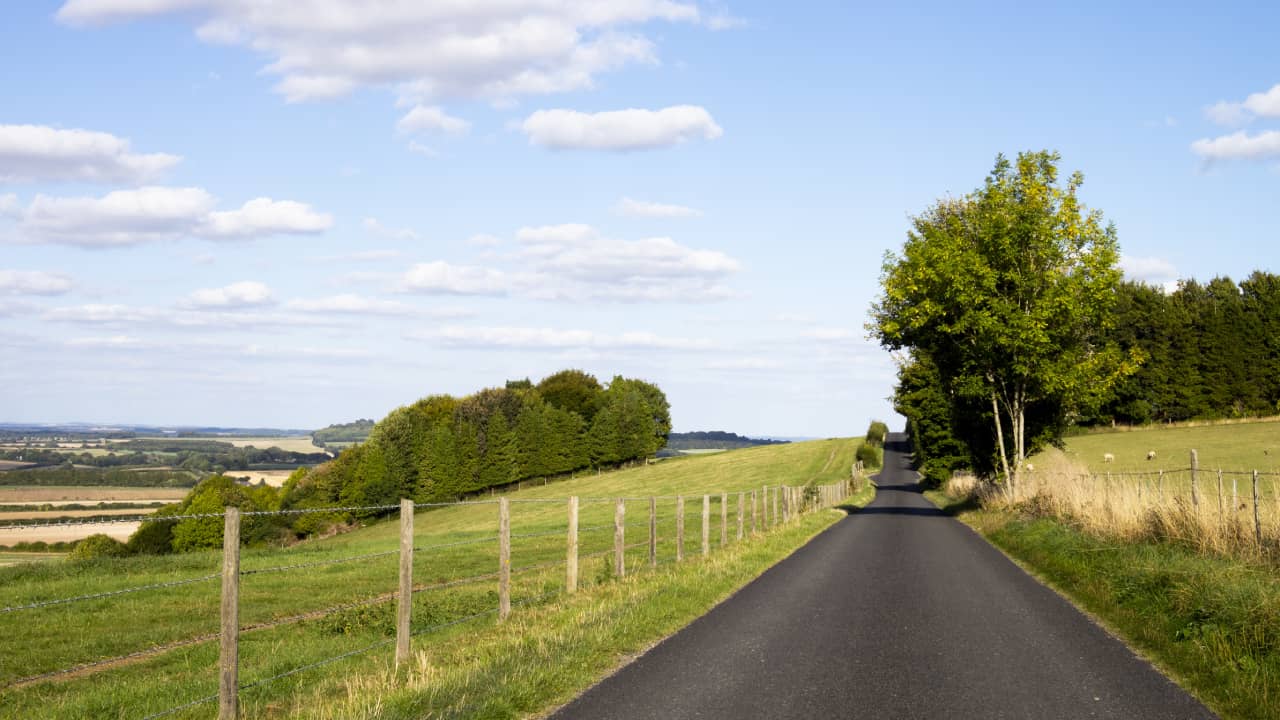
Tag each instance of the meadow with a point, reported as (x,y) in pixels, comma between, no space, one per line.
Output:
(294,616)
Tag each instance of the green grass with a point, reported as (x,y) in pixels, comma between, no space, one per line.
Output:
(37,641)
(1234,446)
(1211,623)
(13,558)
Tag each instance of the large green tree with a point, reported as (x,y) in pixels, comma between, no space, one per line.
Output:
(1009,290)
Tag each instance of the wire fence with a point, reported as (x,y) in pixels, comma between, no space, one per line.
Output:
(554,538)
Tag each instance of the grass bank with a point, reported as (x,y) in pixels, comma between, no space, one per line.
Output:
(1211,623)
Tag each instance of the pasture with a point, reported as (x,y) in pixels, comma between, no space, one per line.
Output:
(1233,446)
(293,618)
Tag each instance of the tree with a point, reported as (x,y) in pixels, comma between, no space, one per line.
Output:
(1009,290)
(573,390)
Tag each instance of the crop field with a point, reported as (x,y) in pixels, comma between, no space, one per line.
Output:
(13,465)
(298,444)
(289,618)
(89,494)
(53,514)
(274,478)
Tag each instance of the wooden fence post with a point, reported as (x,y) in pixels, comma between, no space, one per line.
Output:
(786,510)
(724,519)
(504,558)
(620,538)
(679,528)
(1195,477)
(404,602)
(764,507)
(706,525)
(1257,519)
(653,532)
(754,513)
(571,550)
(776,492)
(229,647)
(742,499)
(1221,519)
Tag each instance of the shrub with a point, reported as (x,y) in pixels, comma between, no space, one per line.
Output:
(98,546)
(876,433)
(869,455)
(152,538)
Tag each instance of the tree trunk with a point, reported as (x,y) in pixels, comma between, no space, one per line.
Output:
(1004,456)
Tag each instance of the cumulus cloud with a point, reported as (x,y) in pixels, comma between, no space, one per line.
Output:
(184,318)
(444,278)
(424,118)
(580,252)
(246,293)
(37,153)
(150,214)
(348,303)
(620,130)
(535,338)
(361,256)
(33,282)
(1239,146)
(496,49)
(377,228)
(640,208)
(1149,270)
(1264,104)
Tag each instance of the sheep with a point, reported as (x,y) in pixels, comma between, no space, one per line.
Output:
(1151,454)
(1030,467)
(1108,457)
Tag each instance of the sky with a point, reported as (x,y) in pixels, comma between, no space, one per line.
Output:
(266,214)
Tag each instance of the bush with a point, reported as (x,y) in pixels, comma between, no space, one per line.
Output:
(876,433)
(152,538)
(869,456)
(98,546)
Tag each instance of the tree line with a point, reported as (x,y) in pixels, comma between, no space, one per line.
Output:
(1013,324)
(440,448)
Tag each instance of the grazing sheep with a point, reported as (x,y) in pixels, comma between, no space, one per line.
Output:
(1030,467)
(1151,454)
(1108,457)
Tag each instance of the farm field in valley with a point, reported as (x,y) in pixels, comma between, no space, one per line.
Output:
(89,494)
(181,614)
(1233,446)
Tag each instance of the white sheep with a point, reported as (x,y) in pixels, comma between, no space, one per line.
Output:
(1108,457)
(1151,454)
(1030,467)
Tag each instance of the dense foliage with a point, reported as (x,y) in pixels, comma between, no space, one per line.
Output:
(442,447)
(343,433)
(1210,351)
(1009,292)
(715,440)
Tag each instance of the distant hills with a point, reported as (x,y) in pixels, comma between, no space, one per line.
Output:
(715,440)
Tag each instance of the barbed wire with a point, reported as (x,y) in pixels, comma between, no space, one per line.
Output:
(109,593)
(180,708)
(190,516)
(111,660)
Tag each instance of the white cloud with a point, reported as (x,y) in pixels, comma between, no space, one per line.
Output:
(37,153)
(527,338)
(1260,104)
(150,214)
(1239,146)
(204,259)
(105,342)
(246,293)
(351,304)
(579,252)
(9,206)
(377,228)
(496,49)
(116,315)
(423,118)
(361,256)
(1149,270)
(33,282)
(424,150)
(622,130)
(440,277)
(641,208)
(744,363)
(264,216)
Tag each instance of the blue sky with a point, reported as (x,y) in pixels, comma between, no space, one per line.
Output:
(293,214)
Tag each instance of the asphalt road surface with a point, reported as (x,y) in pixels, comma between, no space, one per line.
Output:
(895,612)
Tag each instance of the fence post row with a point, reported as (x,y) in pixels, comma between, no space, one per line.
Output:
(404,603)
(619,539)
(504,558)
(724,519)
(742,499)
(229,647)
(776,492)
(753,512)
(571,551)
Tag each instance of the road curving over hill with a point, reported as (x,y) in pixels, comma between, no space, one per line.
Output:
(895,612)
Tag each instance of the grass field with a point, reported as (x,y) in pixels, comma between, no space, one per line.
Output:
(8,558)
(39,641)
(88,494)
(1234,446)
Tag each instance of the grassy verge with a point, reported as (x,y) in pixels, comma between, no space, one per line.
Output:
(551,653)
(1211,623)
(456,545)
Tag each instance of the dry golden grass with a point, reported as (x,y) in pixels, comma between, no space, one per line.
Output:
(54,514)
(120,531)
(298,444)
(274,478)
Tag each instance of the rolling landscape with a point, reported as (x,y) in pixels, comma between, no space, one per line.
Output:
(723,359)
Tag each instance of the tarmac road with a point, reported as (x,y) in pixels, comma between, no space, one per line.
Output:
(897,611)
